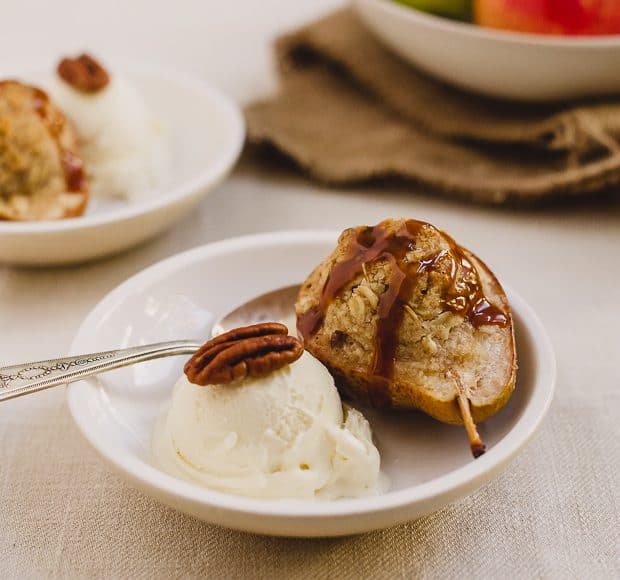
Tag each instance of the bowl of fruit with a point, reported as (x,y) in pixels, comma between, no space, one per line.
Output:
(527,50)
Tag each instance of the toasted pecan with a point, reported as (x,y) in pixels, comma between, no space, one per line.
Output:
(83,73)
(250,351)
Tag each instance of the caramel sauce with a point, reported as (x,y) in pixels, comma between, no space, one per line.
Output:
(464,295)
(73,168)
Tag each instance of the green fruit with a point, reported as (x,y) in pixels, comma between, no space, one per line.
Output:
(460,9)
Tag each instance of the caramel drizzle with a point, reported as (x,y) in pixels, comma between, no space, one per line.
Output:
(465,296)
(73,168)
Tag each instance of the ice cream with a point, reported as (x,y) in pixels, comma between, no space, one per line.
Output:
(284,435)
(124,146)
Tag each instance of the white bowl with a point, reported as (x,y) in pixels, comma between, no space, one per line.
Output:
(205,130)
(508,65)
(428,462)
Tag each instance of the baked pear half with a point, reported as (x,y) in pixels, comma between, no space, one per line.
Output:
(41,172)
(406,318)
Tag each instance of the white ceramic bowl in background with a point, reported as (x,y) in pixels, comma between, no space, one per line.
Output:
(206,132)
(508,65)
(429,463)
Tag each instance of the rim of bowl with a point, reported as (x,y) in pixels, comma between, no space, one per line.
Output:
(586,41)
(223,161)
(461,478)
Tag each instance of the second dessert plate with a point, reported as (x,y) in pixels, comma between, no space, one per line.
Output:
(204,133)
(429,463)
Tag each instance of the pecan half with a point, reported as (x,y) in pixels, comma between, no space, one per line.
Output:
(250,351)
(83,73)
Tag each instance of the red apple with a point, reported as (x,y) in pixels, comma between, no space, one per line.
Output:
(550,16)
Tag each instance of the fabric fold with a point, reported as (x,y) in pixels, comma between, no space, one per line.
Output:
(350,111)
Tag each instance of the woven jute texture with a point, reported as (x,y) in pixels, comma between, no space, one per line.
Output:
(350,111)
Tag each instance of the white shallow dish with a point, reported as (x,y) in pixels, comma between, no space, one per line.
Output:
(527,67)
(429,463)
(205,131)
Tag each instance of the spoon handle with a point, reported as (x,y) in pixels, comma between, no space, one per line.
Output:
(18,380)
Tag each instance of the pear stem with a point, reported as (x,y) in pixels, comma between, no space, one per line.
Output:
(475,442)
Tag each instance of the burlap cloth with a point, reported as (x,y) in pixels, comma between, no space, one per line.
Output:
(349,111)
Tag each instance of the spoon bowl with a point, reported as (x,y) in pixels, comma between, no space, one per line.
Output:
(274,306)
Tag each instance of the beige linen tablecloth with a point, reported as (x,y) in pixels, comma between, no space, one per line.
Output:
(65,514)
(552,514)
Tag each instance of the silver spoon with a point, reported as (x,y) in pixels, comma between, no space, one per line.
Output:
(23,379)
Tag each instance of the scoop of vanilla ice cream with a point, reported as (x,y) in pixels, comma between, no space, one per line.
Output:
(123,146)
(281,436)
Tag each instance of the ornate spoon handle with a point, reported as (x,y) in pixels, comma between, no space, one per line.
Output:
(18,380)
